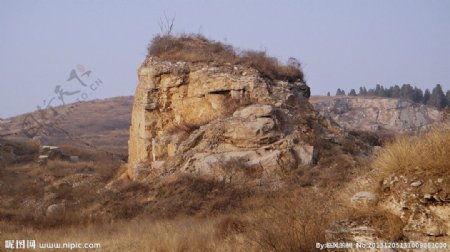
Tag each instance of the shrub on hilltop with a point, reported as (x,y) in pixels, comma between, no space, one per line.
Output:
(196,48)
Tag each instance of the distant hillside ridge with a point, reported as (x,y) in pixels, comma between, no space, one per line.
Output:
(374,114)
(101,124)
(436,97)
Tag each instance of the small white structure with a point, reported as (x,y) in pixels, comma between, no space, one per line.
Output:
(49,147)
(74,158)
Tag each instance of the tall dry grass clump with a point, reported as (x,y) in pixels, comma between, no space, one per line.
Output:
(196,48)
(423,155)
(291,221)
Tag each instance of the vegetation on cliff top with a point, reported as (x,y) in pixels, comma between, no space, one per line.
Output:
(196,48)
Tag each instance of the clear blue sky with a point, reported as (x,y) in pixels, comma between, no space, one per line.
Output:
(342,44)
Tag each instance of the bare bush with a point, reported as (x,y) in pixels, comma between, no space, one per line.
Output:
(166,25)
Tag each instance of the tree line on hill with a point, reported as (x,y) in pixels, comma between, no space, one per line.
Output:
(436,97)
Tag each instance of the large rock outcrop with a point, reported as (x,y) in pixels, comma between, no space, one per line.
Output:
(372,114)
(218,119)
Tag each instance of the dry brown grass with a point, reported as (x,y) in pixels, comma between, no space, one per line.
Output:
(390,224)
(377,138)
(187,213)
(282,221)
(27,189)
(190,48)
(13,151)
(196,48)
(292,221)
(142,234)
(197,196)
(423,155)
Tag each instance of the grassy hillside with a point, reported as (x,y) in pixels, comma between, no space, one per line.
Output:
(173,213)
(101,124)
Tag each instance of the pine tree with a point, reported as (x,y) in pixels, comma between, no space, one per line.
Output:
(406,92)
(438,98)
(389,91)
(379,90)
(328,94)
(426,96)
(362,91)
(417,95)
(340,92)
(396,90)
(352,92)
(447,95)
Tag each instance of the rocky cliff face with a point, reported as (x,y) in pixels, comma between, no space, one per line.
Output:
(207,119)
(422,204)
(410,209)
(372,114)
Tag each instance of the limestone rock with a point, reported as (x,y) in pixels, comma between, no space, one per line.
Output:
(365,198)
(307,154)
(56,210)
(407,209)
(255,111)
(423,207)
(373,114)
(416,183)
(204,118)
(355,231)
